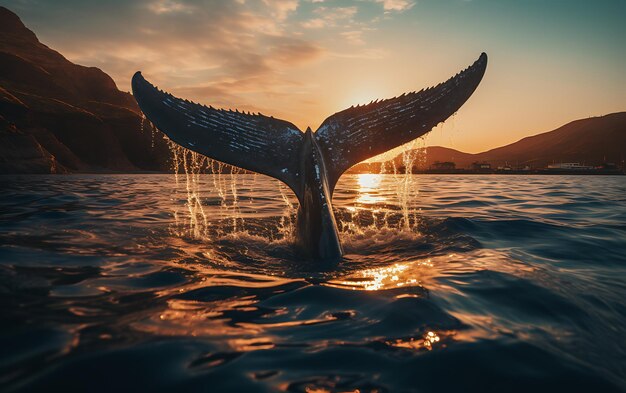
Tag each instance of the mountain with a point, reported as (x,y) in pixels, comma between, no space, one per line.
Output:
(56,116)
(591,141)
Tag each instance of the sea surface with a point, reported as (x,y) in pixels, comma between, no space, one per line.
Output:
(450,283)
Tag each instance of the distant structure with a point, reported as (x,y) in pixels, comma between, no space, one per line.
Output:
(608,166)
(443,166)
(481,166)
(570,166)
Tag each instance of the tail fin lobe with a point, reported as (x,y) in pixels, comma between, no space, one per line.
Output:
(358,133)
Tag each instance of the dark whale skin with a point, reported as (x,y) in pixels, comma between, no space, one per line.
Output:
(310,163)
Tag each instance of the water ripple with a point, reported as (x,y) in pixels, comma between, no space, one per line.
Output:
(477,283)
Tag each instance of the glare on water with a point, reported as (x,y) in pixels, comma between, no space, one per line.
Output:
(368,188)
(194,284)
(451,269)
(214,207)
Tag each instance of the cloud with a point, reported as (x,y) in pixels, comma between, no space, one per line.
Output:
(180,43)
(330,17)
(337,13)
(353,37)
(227,53)
(281,8)
(396,5)
(316,23)
(167,6)
(294,52)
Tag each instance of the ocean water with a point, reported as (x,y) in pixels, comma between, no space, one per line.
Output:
(450,283)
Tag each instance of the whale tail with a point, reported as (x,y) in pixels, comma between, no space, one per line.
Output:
(272,146)
(358,133)
(250,141)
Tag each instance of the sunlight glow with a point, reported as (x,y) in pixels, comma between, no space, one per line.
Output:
(368,188)
(427,341)
(377,279)
(368,181)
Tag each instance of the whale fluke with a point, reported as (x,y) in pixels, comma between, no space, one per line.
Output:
(254,142)
(356,134)
(309,163)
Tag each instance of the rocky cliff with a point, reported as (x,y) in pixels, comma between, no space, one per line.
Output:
(56,116)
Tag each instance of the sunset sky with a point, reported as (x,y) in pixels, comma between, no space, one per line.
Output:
(549,61)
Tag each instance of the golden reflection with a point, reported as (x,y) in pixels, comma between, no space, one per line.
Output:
(195,318)
(427,341)
(412,274)
(368,188)
(251,344)
(316,389)
(278,325)
(368,181)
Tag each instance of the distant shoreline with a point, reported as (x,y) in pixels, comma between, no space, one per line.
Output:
(508,173)
(459,172)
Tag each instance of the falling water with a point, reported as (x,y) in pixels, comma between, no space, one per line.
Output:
(194,218)
(413,153)
(373,217)
(287,221)
(197,191)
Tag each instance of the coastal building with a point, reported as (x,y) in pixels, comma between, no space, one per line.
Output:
(570,166)
(608,166)
(443,166)
(481,166)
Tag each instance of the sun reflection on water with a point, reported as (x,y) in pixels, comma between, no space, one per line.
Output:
(427,341)
(411,274)
(369,184)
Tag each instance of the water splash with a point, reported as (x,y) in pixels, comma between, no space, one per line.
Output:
(413,154)
(368,217)
(372,214)
(287,222)
(152,127)
(193,221)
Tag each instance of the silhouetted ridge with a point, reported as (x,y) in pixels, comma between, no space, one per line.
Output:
(57,116)
(592,141)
